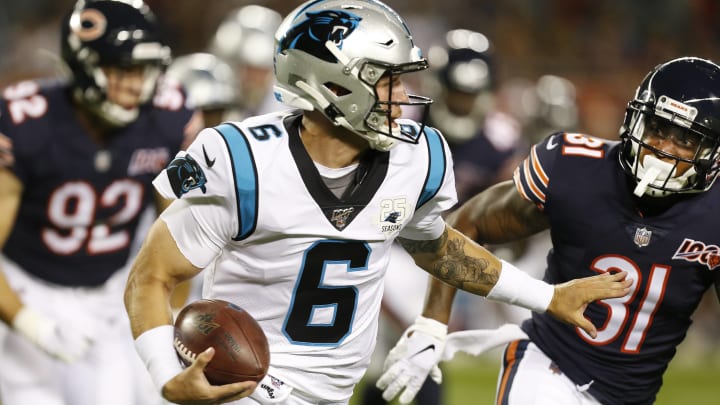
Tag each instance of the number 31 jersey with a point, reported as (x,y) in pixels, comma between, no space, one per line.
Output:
(598,226)
(307,265)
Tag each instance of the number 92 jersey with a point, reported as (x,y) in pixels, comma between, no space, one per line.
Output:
(307,265)
(82,201)
(598,226)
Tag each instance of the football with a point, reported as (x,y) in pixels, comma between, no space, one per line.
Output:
(241,347)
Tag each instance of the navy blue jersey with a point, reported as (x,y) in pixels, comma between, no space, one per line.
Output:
(81,200)
(597,226)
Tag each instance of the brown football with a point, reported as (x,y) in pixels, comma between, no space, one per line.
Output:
(241,347)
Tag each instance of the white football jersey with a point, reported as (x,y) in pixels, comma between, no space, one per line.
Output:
(253,211)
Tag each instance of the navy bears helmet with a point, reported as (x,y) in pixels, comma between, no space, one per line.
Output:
(326,45)
(119,33)
(683,95)
(462,84)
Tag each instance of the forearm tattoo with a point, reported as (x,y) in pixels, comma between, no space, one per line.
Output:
(455,267)
(424,246)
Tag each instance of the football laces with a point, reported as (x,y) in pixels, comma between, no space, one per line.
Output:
(186,354)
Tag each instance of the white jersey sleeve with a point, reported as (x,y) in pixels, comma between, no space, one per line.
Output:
(439,194)
(205,216)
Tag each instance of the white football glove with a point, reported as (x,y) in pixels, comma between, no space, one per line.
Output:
(415,355)
(63,341)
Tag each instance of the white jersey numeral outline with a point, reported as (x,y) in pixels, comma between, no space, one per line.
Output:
(72,208)
(618,308)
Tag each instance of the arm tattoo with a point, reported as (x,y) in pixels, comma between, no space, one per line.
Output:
(424,246)
(455,267)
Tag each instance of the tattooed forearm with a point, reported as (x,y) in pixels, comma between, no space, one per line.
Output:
(450,263)
(462,271)
(424,246)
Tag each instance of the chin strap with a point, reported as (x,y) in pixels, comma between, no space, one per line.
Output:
(650,175)
(655,171)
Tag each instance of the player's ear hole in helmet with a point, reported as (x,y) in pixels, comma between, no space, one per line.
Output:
(671,132)
(106,41)
(331,54)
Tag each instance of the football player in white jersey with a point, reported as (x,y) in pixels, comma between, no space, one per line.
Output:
(292,215)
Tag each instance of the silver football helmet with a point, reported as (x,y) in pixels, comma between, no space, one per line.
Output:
(246,39)
(247,36)
(208,80)
(326,45)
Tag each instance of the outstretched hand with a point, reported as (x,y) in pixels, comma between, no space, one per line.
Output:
(192,388)
(572,298)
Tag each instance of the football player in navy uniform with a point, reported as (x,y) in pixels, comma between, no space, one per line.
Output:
(292,215)
(642,205)
(85,152)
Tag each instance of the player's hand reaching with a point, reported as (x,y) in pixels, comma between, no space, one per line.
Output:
(192,388)
(572,297)
(67,342)
(416,355)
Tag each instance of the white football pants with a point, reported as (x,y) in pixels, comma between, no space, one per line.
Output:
(528,377)
(112,372)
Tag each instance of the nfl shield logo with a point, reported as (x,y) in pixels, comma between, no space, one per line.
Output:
(642,237)
(340,217)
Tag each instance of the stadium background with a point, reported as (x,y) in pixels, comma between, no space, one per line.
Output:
(604,48)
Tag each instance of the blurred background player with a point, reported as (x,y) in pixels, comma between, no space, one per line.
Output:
(246,40)
(85,150)
(209,83)
(542,106)
(486,144)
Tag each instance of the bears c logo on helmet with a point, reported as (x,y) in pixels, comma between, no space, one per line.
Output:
(88,25)
(311,34)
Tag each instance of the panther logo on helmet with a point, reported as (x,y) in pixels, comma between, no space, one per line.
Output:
(311,34)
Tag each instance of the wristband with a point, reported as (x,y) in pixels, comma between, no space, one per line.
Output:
(31,324)
(429,326)
(519,288)
(155,347)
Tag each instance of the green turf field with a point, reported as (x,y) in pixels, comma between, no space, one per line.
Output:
(690,380)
